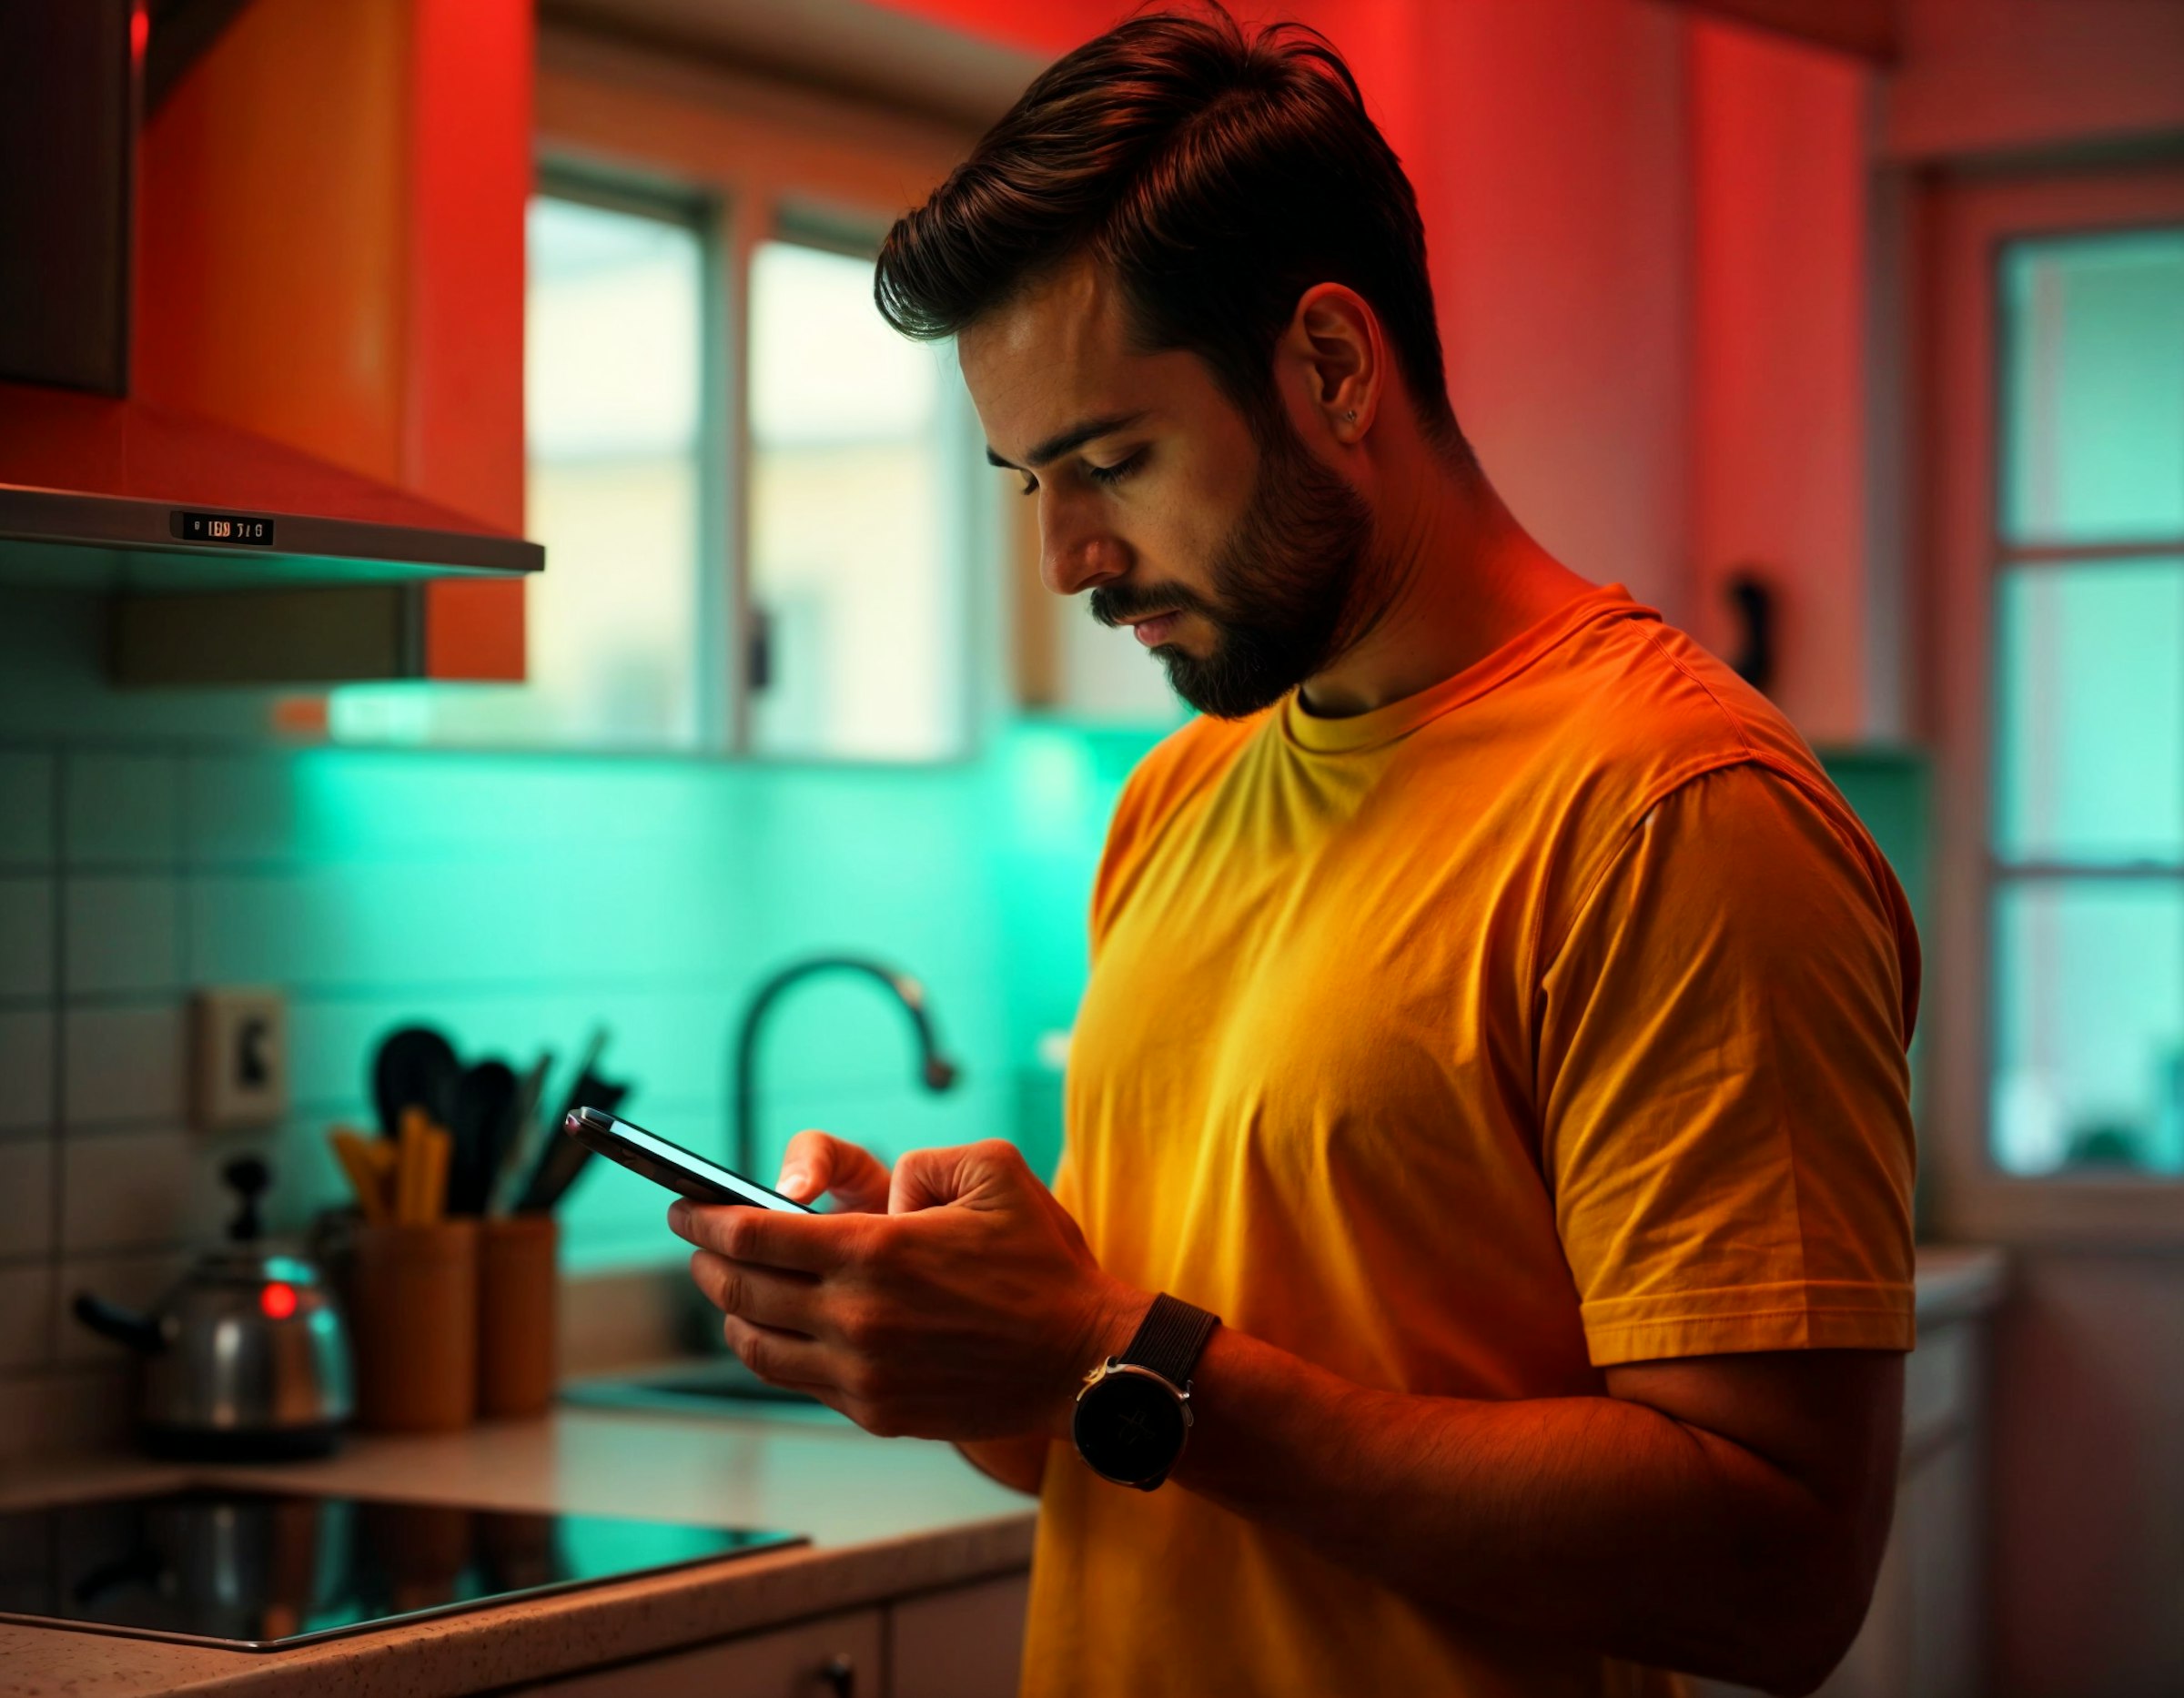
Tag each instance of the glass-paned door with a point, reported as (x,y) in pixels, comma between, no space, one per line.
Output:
(2086,815)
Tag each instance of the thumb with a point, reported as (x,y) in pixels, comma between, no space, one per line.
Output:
(985,1174)
(817,1163)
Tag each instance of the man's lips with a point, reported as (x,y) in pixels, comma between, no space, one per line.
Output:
(1155,630)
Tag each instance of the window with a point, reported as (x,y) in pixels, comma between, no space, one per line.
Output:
(2087,801)
(858,508)
(858,520)
(619,439)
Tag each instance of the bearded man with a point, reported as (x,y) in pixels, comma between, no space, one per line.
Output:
(1496,1019)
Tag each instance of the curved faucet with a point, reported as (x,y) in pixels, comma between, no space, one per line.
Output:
(935,1071)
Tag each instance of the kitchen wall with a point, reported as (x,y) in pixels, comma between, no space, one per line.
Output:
(150,843)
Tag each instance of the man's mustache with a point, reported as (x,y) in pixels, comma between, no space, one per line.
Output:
(1114,604)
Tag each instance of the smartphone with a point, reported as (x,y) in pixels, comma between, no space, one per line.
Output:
(682,1171)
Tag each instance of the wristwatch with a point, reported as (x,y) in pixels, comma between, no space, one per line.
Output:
(1132,1412)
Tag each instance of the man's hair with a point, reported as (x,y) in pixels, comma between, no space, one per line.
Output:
(1216,176)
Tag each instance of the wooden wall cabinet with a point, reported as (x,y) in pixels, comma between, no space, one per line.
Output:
(329,255)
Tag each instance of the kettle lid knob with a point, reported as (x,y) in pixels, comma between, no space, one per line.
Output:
(248,1177)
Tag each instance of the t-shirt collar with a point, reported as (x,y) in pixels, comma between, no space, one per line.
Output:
(1316,736)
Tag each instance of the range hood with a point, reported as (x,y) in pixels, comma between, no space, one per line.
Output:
(122,495)
(103,489)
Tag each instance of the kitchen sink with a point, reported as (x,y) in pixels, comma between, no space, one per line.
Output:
(716,1385)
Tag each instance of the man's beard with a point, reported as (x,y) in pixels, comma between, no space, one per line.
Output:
(1294,585)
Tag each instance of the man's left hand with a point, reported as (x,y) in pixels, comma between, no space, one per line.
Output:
(969,1310)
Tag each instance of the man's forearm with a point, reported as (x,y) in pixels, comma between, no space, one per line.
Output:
(1019,1462)
(1592,1518)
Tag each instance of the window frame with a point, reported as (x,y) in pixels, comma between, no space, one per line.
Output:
(642,194)
(1968,217)
(767,162)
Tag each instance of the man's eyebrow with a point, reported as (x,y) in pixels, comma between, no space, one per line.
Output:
(1068,441)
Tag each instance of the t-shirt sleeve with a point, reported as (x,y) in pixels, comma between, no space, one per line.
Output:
(1725,1120)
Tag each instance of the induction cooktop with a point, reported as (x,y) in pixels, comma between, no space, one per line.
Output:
(252,1570)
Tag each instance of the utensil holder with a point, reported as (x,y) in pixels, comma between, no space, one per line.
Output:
(414,1298)
(518,1315)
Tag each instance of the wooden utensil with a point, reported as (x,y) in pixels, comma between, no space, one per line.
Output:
(422,1155)
(368,1162)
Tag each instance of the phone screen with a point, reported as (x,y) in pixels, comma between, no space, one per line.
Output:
(666,1163)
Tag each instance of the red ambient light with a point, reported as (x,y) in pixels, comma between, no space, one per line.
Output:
(140,32)
(278,1300)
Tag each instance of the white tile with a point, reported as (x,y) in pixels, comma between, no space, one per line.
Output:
(243,809)
(67,1412)
(121,810)
(26,937)
(126,1063)
(25,808)
(136,1282)
(123,935)
(26,1070)
(26,1315)
(141,1190)
(25,1195)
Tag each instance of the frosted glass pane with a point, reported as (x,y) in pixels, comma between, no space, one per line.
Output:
(614,335)
(2093,361)
(858,485)
(2089,720)
(2088,1025)
(611,336)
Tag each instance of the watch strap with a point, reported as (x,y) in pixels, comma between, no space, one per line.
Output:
(1169,1339)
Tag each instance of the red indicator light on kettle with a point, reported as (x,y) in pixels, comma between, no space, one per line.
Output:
(277,1300)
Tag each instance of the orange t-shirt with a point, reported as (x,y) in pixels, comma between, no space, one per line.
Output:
(1553,1017)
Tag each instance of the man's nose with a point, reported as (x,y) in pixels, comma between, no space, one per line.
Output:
(1074,557)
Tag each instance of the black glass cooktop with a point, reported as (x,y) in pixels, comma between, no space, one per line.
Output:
(262,1570)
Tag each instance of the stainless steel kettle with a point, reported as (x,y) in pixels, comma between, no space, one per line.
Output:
(247,1356)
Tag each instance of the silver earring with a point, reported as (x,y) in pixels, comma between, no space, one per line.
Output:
(1350,417)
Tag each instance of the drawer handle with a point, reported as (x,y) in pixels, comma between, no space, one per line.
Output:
(841,1677)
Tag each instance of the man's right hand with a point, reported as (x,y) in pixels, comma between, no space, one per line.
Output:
(819,1165)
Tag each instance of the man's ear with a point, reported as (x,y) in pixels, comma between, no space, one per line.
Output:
(1335,344)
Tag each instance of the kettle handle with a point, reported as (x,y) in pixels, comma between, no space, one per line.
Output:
(124,1325)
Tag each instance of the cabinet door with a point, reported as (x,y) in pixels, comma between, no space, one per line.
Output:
(965,1642)
(836,1656)
(343,274)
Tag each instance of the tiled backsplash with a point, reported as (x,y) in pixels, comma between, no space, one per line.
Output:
(514,901)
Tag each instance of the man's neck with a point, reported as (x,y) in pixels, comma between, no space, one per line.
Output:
(1463,578)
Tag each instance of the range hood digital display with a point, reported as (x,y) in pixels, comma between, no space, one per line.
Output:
(244,530)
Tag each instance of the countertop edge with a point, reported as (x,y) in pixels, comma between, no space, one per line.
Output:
(563,1634)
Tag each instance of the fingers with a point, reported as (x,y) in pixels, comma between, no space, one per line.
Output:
(780,1359)
(767,1297)
(814,1243)
(818,1164)
(981,1174)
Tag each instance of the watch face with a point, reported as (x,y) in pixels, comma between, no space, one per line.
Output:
(1130,1428)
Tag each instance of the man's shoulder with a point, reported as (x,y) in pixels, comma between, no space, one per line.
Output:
(1635,707)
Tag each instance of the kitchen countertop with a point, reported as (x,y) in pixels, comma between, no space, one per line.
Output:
(886,1516)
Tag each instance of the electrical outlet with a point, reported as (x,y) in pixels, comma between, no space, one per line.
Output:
(238,1059)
